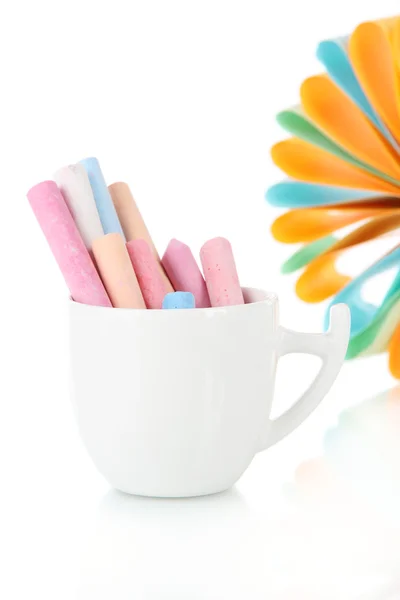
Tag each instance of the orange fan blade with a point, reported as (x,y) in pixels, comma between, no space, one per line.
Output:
(371,55)
(334,112)
(306,162)
(376,227)
(321,280)
(394,354)
(396,44)
(309,224)
(389,27)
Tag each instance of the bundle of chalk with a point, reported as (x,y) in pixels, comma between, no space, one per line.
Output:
(107,257)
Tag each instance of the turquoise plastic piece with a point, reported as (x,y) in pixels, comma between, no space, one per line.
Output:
(333,55)
(363,312)
(297,194)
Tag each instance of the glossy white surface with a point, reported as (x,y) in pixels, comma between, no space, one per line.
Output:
(277,534)
(178,98)
(177,403)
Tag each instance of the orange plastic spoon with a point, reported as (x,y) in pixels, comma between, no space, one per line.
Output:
(333,111)
(321,280)
(303,161)
(394,354)
(370,52)
(309,224)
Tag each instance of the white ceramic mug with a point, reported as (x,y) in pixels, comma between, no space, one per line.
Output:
(176,403)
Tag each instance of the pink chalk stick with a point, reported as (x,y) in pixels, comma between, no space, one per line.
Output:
(116,271)
(148,274)
(220,273)
(67,245)
(132,221)
(184,273)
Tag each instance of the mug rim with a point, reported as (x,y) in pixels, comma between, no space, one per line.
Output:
(270,299)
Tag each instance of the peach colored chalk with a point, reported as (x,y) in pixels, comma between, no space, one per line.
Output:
(132,221)
(67,245)
(147,270)
(116,271)
(184,273)
(129,215)
(220,273)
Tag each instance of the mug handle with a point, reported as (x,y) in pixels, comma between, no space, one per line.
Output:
(331,347)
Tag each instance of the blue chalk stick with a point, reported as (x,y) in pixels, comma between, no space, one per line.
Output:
(179,300)
(105,207)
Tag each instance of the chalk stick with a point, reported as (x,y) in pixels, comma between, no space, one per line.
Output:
(66,243)
(220,273)
(132,221)
(179,300)
(74,184)
(184,273)
(129,215)
(147,272)
(107,213)
(116,271)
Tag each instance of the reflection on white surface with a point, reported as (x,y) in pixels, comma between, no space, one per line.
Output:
(390,592)
(338,538)
(361,459)
(143,546)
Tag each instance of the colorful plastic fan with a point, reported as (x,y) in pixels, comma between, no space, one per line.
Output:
(344,165)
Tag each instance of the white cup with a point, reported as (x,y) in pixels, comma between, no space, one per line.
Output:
(176,403)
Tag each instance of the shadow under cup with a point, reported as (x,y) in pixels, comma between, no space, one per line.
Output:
(176,403)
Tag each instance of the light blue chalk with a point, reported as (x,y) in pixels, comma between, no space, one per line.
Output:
(179,300)
(105,207)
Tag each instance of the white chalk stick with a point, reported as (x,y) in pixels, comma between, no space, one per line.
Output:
(74,184)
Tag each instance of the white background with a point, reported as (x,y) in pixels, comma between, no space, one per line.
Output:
(178,99)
